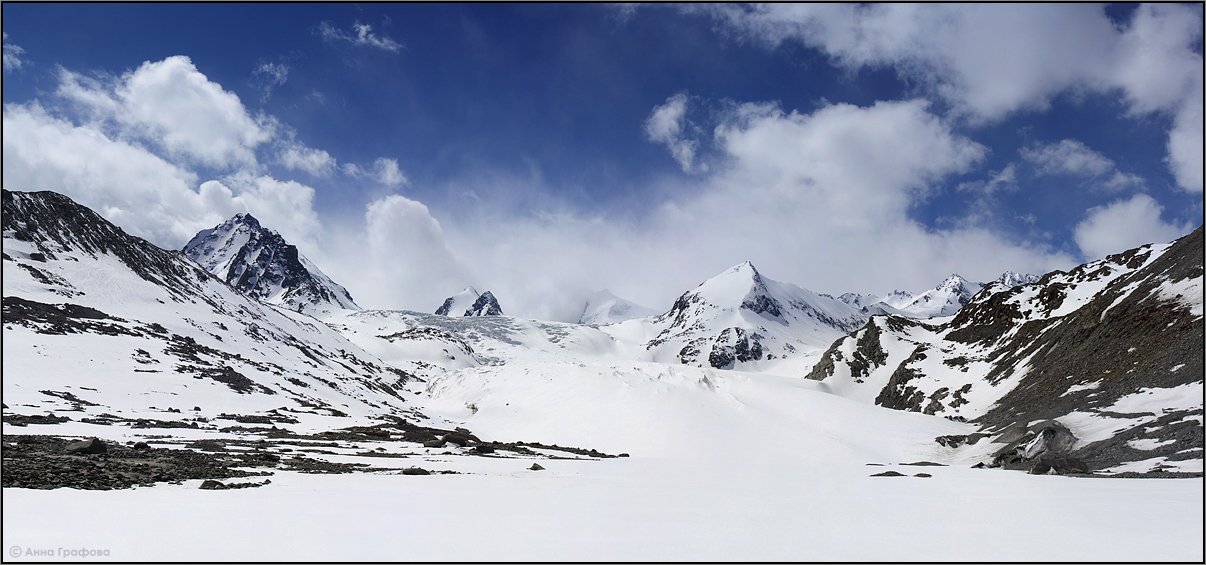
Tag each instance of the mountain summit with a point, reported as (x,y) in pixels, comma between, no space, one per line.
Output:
(259,262)
(469,302)
(740,316)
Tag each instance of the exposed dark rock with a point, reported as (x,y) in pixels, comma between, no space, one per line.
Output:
(889,474)
(536,467)
(415,471)
(92,446)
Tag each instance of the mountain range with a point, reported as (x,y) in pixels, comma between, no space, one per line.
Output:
(1096,369)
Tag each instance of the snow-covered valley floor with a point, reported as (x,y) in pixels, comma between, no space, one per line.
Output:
(724,466)
(634,509)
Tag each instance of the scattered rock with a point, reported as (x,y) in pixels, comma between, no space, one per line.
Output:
(211,484)
(923,475)
(141,445)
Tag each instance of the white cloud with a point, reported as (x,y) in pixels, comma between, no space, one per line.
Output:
(298,157)
(268,76)
(12,56)
(384,171)
(820,199)
(1070,157)
(139,190)
(1124,224)
(1003,180)
(1067,157)
(989,60)
(362,35)
(667,124)
(172,104)
(397,258)
(125,183)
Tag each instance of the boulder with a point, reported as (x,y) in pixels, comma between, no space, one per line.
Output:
(91,446)
(457,438)
(211,484)
(888,474)
(415,471)
(535,467)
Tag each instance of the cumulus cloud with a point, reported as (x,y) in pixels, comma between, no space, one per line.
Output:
(1124,224)
(12,55)
(819,199)
(398,257)
(172,104)
(667,125)
(1070,157)
(139,190)
(989,60)
(361,35)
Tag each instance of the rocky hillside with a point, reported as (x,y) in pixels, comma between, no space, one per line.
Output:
(150,332)
(1107,356)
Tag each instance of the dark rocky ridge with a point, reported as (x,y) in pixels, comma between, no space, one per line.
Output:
(1125,338)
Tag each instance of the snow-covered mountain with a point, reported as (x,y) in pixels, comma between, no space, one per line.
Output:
(469,302)
(603,307)
(130,329)
(1012,279)
(740,317)
(1111,351)
(260,263)
(943,300)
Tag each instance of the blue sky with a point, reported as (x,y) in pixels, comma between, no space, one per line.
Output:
(478,144)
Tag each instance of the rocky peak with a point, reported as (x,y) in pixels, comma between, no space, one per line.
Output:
(258,262)
(469,302)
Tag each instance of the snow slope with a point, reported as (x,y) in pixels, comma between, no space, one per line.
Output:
(134,330)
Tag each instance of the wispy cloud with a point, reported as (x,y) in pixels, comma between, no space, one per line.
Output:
(12,56)
(268,76)
(361,35)
(384,171)
(1070,157)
